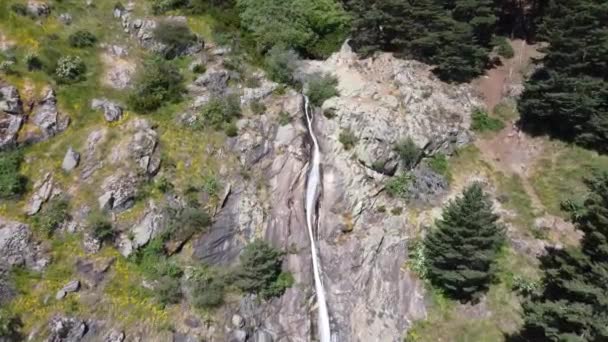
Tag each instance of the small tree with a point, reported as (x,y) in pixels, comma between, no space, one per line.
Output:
(220,111)
(260,269)
(156,83)
(461,250)
(281,64)
(70,69)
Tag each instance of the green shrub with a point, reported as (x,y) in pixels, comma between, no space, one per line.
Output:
(230,129)
(199,69)
(408,152)
(284,118)
(33,62)
(504,49)
(52,216)
(81,39)
(321,88)
(439,163)
(162,6)
(211,186)
(329,113)
(186,223)
(70,69)
(260,269)
(398,186)
(175,35)
(8,68)
(482,122)
(156,83)
(100,227)
(207,288)
(20,9)
(348,139)
(396,211)
(281,64)
(164,185)
(417,259)
(168,291)
(10,326)
(257,107)
(277,288)
(220,110)
(11,181)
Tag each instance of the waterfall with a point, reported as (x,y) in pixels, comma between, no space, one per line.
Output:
(312,188)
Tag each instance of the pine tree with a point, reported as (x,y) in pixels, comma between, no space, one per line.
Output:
(568,96)
(462,248)
(573,304)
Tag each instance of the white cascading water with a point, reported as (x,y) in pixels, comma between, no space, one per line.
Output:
(312,187)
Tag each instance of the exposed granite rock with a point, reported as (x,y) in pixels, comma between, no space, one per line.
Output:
(115,336)
(70,287)
(118,192)
(38,8)
(71,160)
(47,118)
(17,247)
(66,329)
(11,116)
(65,18)
(426,185)
(93,271)
(143,147)
(148,227)
(44,189)
(259,93)
(111,110)
(93,161)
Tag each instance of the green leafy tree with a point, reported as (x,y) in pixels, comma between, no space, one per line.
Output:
(321,88)
(461,250)
(573,302)
(175,35)
(82,38)
(568,96)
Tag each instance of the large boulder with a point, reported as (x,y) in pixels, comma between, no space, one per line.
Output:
(37,8)
(11,116)
(44,189)
(47,117)
(119,191)
(17,247)
(66,329)
(111,110)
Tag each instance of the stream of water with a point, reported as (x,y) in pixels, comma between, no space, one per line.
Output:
(312,188)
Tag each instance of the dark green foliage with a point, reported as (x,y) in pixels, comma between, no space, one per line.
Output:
(409,153)
(573,302)
(20,9)
(11,181)
(277,288)
(284,118)
(219,111)
(33,62)
(100,227)
(168,291)
(399,186)
(348,139)
(260,270)
(176,36)
(199,69)
(186,223)
(482,122)
(454,35)
(462,249)
(321,88)
(82,38)
(55,212)
(281,64)
(10,326)
(230,129)
(312,27)
(162,6)
(156,83)
(568,96)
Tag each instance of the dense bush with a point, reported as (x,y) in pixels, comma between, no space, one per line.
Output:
(175,35)
(168,290)
(33,62)
(11,181)
(409,153)
(440,164)
(55,212)
(156,83)
(220,111)
(257,107)
(399,186)
(321,88)
(281,64)
(348,139)
(10,326)
(82,38)
(481,121)
(260,270)
(208,287)
(503,47)
(70,69)
(312,27)
(100,227)
(186,222)
(20,9)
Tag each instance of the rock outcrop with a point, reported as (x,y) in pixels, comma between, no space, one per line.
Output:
(44,189)
(70,160)
(17,247)
(111,110)
(11,116)
(47,118)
